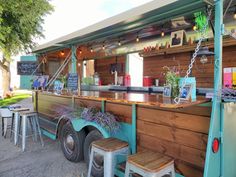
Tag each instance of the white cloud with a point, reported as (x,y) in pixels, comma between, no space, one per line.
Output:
(71,15)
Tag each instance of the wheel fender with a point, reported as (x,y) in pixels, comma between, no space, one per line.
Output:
(79,124)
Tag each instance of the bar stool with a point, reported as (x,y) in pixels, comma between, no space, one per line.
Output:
(32,118)
(109,148)
(150,164)
(16,122)
(5,115)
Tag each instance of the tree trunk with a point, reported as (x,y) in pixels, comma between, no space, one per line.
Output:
(6,75)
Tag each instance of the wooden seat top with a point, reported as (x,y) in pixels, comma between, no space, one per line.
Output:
(28,113)
(150,161)
(20,109)
(110,144)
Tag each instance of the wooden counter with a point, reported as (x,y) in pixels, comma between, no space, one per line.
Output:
(145,99)
(179,131)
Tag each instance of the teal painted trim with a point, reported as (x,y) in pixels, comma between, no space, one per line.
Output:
(103,108)
(127,64)
(73,59)
(119,173)
(48,134)
(134,116)
(79,123)
(213,160)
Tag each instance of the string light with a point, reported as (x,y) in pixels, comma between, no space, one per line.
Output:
(103,46)
(80,51)
(119,43)
(62,53)
(162,34)
(137,38)
(194,28)
(91,50)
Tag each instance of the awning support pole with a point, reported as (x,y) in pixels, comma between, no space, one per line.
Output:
(213,161)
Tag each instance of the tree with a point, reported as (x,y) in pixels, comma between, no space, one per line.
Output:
(20,24)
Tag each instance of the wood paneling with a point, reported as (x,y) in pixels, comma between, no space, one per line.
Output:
(87,103)
(204,73)
(102,67)
(122,111)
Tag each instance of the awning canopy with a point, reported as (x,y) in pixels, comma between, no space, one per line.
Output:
(131,20)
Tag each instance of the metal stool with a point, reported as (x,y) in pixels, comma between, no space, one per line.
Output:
(150,164)
(16,122)
(109,148)
(32,118)
(5,115)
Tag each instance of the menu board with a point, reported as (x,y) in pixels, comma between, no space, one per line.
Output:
(72,81)
(26,67)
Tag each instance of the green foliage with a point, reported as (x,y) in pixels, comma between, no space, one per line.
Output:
(20,24)
(172,78)
(200,20)
(14,99)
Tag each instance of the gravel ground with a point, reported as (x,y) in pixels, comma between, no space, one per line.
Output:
(36,161)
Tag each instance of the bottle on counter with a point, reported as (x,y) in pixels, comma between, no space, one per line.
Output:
(96,79)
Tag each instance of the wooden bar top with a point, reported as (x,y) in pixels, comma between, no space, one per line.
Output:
(145,99)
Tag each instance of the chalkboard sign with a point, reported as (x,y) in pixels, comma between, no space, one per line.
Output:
(72,81)
(26,67)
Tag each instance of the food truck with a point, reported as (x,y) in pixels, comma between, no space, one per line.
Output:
(178,110)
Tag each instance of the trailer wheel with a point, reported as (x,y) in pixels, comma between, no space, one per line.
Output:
(97,168)
(72,143)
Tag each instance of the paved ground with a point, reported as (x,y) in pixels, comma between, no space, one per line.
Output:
(37,161)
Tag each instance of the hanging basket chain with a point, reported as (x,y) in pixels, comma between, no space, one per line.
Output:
(194,56)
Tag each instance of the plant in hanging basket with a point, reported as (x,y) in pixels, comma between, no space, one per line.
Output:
(105,120)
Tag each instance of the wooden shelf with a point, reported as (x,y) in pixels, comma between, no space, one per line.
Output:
(228,41)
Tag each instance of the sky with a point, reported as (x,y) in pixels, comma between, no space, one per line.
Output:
(72,15)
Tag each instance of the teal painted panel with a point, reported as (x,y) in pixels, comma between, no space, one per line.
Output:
(48,134)
(25,80)
(229,140)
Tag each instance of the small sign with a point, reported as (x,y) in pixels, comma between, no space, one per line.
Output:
(72,81)
(27,67)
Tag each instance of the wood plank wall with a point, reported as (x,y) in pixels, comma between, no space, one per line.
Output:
(204,73)
(102,67)
(176,134)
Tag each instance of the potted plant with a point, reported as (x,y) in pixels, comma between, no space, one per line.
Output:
(172,78)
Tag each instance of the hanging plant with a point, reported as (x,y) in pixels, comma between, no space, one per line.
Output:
(105,120)
(200,20)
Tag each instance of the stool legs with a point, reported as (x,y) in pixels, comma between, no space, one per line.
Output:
(109,165)
(16,127)
(127,170)
(24,129)
(90,162)
(39,130)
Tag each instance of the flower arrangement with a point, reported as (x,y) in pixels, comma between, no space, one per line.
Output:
(172,78)
(106,120)
(67,111)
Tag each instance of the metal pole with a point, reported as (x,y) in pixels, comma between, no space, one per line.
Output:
(73,59)
(213,160)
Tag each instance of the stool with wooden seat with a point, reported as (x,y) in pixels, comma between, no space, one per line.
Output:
(150,164)
(109,148)
(32,118)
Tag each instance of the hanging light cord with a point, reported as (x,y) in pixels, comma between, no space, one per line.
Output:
(194,56)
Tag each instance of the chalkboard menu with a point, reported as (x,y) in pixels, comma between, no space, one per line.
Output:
(26,67)
(72,81)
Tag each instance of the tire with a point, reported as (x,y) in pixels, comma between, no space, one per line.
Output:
(72,143)
(97,168)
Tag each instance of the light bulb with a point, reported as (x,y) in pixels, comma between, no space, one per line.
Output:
(203,59)
(235,15)
(103,47)
(194,28)
(62,53)
(91,50)
(119,43)
(80,51)
(137,39)
(162,34)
